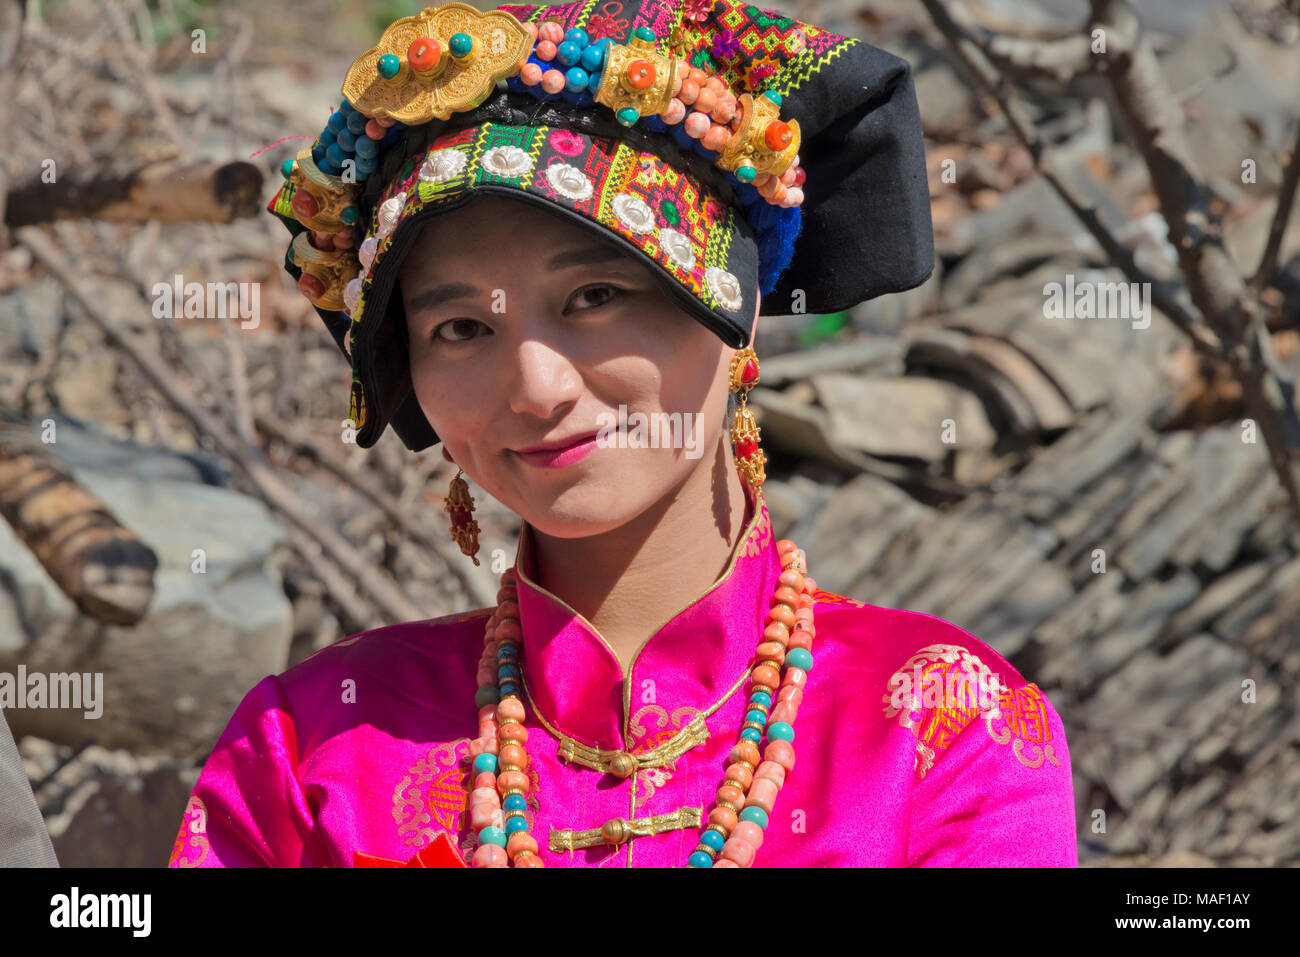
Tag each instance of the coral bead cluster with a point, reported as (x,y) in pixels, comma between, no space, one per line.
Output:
(702,115)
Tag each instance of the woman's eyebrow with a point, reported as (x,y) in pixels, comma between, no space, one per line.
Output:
(565,259)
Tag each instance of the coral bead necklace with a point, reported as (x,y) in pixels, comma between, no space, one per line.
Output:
(744,800)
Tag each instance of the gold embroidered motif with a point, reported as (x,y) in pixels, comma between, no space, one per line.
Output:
(191,846)
(1022,715)
(620,830)
(609,761)
(650,778)
(431,797)
(935,695)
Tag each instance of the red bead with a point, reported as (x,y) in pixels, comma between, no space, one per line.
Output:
(311,286)
(641,74)
(304,205)
(777,136)
(800,176)
(423,54)
(746,448)
(750,372)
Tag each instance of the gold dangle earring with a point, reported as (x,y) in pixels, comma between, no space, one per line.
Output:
(744,430)
(460,505)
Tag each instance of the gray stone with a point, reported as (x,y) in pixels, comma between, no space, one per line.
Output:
(172,681)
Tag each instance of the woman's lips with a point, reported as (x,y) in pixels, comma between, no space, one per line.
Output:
(557,458)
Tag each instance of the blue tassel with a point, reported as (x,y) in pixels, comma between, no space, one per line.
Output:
(775,230)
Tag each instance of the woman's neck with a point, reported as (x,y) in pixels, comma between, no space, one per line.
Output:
(634,578)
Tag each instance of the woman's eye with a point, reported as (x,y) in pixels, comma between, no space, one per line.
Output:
(605,290)
(457,325)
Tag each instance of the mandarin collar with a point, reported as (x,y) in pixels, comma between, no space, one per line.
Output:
(692,661)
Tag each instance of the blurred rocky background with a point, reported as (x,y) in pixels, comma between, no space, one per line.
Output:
(1108,499)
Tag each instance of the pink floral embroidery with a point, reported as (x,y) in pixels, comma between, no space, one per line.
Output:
(698,10)
(567,142)
(604,24)
(759,70)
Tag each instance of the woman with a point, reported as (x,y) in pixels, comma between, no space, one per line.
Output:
(540,265)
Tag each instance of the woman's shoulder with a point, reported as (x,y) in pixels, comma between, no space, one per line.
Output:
(458,635)
(898,639)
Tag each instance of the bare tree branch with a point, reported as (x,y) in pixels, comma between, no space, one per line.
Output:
(1163,294)
(1285,203)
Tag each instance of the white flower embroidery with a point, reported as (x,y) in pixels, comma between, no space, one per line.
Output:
(725,286)
(569,181)
(507,161)
(389,213)
(441,165)
(366,252)
(633,213)
(352,295)
(677,246)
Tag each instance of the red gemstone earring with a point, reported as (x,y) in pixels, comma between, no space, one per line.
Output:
(744,430)
(460,505)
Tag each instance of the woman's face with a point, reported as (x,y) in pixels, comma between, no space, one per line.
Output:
(546,332)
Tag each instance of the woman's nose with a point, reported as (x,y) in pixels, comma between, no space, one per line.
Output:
(545,381)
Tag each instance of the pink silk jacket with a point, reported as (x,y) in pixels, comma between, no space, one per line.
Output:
(365,745)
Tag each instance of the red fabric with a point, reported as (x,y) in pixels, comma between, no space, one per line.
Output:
(440,852)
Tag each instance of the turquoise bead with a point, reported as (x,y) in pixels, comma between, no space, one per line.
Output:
(349,215)
(593,81)
(593,58)
(347,140)
(713,839)
(750,734)
(799,658)
(486,694)
(568,53)
(579,36)
(485,762)
(746,174)
(774,96)
(508,671)
(755,814)
(575,79)
(289,256)
(755,715)
(461,44)
(492,835)
(761,697)
(628,116)
(287,168)
(509,688)
(389,66)
(645,33)
(780,731)
(515,823)
(515,802)
(700,859)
